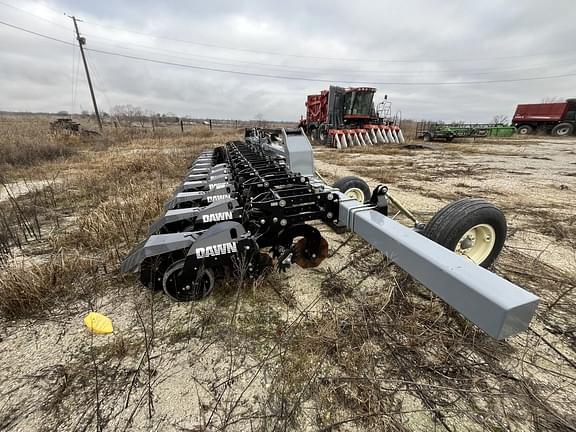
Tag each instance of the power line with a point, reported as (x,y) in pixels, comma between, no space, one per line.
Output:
(270,65)
(326,80)
(292,55)
(240,63)
(73,79)
(278,54)
(37,34)
(99,77)
(34,15)
(294,78)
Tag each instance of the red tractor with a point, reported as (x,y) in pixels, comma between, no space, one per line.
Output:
(344,117)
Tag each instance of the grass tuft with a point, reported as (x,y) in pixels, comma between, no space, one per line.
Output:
(27,290)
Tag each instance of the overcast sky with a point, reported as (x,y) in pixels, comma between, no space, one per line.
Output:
(399,47)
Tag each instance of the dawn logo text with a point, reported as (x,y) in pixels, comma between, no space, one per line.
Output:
(217,217)
(215,250)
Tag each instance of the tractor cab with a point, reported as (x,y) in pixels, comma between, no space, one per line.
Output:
(359,103)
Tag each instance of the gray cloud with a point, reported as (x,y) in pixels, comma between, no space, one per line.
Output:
(492,39)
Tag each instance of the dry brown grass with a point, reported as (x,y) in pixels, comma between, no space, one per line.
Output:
(384,354)
(25,142)
(101,205)
(30,289)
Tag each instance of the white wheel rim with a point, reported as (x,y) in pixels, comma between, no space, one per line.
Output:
(563,131)
(355,193)
(477,243)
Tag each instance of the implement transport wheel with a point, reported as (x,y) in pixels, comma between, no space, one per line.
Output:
(179,289)
(470,227)
(353,187)
(563,129)
(524,130)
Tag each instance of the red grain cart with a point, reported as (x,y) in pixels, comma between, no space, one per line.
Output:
(558,118)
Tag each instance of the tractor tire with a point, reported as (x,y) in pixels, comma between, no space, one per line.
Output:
(426,137)
(563,129)
(524,130)
(470,227)
(353,187)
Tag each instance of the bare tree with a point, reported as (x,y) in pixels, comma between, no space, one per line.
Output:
(129,114)
(552,99)
(150,116)
(500,119)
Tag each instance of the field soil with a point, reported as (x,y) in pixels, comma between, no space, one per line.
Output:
(352,345)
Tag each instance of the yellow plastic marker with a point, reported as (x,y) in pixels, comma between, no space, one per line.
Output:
(98,323)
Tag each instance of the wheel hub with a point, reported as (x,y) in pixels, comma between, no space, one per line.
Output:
(477,243)
(356,194)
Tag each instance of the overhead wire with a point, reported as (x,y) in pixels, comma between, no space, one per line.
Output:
(73,78)
(77,76)
(99,79)
(34,15)
(283,54)
(293,55)
(36,33)
(294,78)
(285,68)
(240,63)
(287,77)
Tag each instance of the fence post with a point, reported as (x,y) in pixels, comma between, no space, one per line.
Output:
(210,124)
(181,125)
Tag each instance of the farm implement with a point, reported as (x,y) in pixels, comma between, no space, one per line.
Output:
(242,208)
(433,131)
(346,117)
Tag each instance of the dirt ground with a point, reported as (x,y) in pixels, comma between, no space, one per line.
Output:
(352,345)
(533,180)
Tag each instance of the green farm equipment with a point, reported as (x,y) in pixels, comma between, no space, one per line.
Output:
(435,131)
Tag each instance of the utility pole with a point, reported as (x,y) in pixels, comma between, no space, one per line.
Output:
(81,43)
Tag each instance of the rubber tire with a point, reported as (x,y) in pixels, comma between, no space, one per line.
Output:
(427,137)
(451,222)
(556,128)
(349,182)
(450,138)
(529,130)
